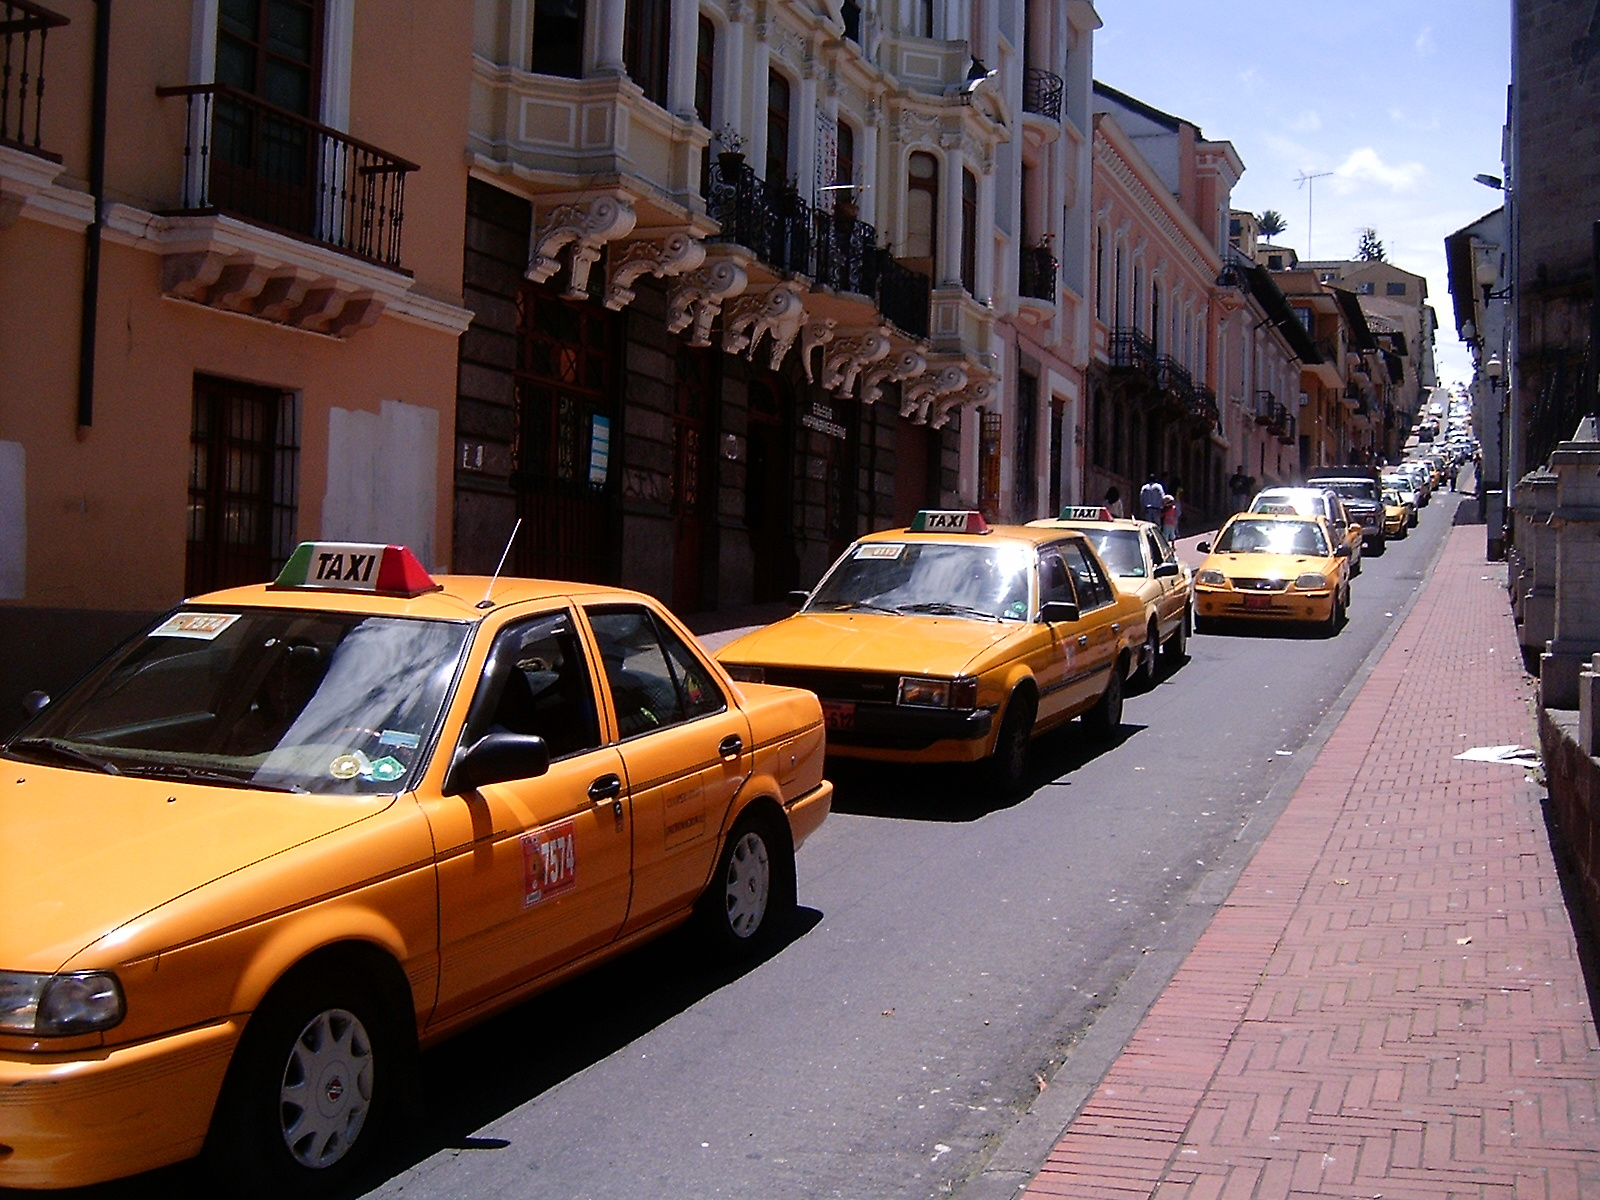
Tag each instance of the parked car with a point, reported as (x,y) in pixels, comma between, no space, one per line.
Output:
(1276,568)
(1315,502)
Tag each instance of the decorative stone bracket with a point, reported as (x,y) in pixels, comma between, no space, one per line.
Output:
(278,292)
(586,229)
(918,400)
(672,256)
(850,355)
(778,312)
(981,392)
(817,334)
(907,364)
(695,302)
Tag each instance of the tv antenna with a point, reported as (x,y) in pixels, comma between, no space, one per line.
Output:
(1309,182)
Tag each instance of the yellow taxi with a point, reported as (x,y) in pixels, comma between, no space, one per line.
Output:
(291,833)
(1396,514)
(1273,567)
(1144,564)
(955,641)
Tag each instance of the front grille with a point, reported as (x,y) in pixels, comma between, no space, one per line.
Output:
(862,687)
(1260,585)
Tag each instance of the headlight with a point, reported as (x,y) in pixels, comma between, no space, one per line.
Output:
(743,674)
(52,1005)
(1212,579)
(924,693)
(1311,581)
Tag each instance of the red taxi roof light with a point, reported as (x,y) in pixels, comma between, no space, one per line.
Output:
(1085,512)
(938,520)
(356,567)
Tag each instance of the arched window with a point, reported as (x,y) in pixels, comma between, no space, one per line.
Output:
(922,212)
(844,169)
(777,130)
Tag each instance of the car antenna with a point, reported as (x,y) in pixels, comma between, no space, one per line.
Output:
(504,554)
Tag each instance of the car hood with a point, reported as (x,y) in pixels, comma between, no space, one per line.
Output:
(83,854)
(859,641)
(1264,566)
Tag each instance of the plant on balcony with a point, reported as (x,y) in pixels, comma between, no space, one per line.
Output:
(730,143)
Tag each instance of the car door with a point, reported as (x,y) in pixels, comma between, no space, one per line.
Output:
(685,750)
(1173,602)
(1053,647)
(535,872)
(1097,633)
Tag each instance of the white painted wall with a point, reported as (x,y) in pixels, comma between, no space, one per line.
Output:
(13,521)
(382,469)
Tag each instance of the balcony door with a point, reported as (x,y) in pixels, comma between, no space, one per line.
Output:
(264,157)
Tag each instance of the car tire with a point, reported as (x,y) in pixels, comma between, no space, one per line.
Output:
(751,895)
(314,1084)
(1104,720)
(1204,624)
(1380,546)
(1150,657)
(1176,650)
(1007,766)
(1331,626)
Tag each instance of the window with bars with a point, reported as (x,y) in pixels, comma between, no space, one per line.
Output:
(1027,448)
(244,447)
(989,433)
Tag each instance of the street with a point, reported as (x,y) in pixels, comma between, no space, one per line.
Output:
(949,957)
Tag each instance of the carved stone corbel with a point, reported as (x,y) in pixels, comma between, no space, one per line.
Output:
(898,368)
(850,355)
(974,394)
(918,400)
(778,312)
(698,298)
(190,276)
(816,334)
(586,229)
(671,256)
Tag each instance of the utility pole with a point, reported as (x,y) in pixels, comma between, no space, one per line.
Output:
(1302,180)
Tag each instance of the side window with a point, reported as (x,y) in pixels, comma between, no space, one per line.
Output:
(541,687)
(1093,588)
(1160,552)
(1055,583)
(655,679)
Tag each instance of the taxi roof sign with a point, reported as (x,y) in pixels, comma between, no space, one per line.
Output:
(1085,512)
(936,520)
(356,567)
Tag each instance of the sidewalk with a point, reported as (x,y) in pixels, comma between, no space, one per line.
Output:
(1389,1004)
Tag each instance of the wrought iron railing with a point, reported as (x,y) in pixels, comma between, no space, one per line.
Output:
(1278,418)
(1036,273)
(1266,401)
(24,31)
(1203,410)
(1133,350)
(774,222)
(1041,92)
(846,257)
(904,297)
(1173,378)
(1284,426)
(250,159)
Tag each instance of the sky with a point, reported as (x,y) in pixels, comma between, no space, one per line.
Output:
(1401,101)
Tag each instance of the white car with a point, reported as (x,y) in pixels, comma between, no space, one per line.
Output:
(1313,502)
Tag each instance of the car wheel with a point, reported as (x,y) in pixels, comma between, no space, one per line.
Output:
(1380,546)
(752,891)
(1176,651)
(1330,627)
(1008,765)
(1104,720)
(1149,657)
(309,1090)
(1204,624)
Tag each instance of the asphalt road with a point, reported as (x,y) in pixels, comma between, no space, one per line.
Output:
(957,964)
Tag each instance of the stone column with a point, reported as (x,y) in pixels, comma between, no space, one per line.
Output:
(681,61)
(1534,591)
(1576,518)
(608,59)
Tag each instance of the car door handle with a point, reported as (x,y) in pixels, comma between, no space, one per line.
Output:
(607,787)
(731,746)
(1116,627)
(1083,639)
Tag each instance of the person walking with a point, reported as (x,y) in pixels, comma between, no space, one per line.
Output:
(1151,497)
(1240,486)
(1170,511)
(1113,502)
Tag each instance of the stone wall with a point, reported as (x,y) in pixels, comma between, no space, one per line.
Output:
(1573,778)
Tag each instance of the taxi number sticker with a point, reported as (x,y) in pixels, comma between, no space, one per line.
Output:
(549,862)
(880,550)
(200,626)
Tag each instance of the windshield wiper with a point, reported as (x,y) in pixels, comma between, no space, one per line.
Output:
(866,605)
(62,750)
(195,775)
(943,607)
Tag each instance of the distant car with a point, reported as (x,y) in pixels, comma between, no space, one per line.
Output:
(1143,563)
(1421,477)
(1358,487)
(1273,567)
(1405,490)
(1396,514)
(291,834)
(1315,502)
(955,641)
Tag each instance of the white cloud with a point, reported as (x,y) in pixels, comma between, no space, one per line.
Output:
(1366,164)
(1250,78)
(1424,41)
(1307,122)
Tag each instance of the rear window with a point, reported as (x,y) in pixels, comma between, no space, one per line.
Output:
(1352,489)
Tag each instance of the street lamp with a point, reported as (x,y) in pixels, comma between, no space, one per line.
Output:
(1494,369)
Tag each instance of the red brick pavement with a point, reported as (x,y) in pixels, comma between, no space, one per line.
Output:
(1390,1002)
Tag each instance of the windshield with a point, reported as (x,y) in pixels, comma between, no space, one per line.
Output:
(272,698)
(1119,550)
(1353,489)
(1273,537)
(971,579)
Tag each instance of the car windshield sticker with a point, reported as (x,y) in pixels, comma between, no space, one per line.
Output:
(549,862)
(348,766)
(387,770)
(201,626)
(880,550)
(399,737)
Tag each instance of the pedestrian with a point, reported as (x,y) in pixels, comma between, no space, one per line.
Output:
(1113,502)
(1170,508)
(1151,496)
(1240,486)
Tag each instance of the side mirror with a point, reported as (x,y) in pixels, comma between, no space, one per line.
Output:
(35,703)
(498,758)
(1203,547)
(1342,551)
(1167,570)
(798,598)
(1052,611)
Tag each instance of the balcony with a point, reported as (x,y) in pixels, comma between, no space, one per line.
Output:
(246,158)
(1041,93)
(1203,411)
(904,297)
(1036,273)
(1175,386)
(1266,403)
(1133,351)
(774,223)
(847,256)
(25,29)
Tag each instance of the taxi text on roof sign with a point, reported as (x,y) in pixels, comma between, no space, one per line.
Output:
(356,567)
(1085,512)
(931,520)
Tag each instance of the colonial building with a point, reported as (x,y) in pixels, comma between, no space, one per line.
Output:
(230,248)
(1478,257)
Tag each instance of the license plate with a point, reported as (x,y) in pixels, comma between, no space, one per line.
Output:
(1258,601)
(836,715)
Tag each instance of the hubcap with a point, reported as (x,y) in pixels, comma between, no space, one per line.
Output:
(327,1089)
(749,879)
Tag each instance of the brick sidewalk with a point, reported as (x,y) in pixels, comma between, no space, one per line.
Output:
(1390,1002)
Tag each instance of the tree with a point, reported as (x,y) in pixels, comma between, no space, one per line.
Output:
(1271,223)
(1370,246)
